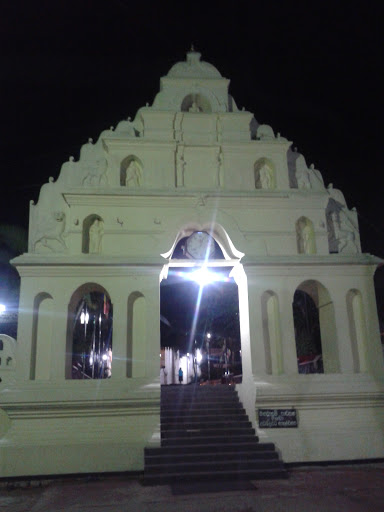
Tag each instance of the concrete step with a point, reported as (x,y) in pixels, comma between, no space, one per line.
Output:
(212,448)
(198,405)
(164,458)
(202,440)
(246,474)
(214,466)
(190,433)
(199,424)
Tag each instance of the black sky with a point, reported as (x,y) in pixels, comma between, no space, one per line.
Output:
(73,68)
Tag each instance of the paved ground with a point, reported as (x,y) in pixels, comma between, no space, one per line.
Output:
(352,488)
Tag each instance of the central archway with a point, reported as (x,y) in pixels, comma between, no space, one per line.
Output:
(200,313)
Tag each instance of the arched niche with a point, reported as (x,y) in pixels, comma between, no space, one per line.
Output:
(216,231)
(136,335)
(196,103)
(93,231)
(315,329)
(42,330)
(305,236)
(131,172)
(89,333)
(357,330)
(265,174)
(270,315)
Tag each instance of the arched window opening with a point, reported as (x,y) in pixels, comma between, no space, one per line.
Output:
(357,330)
(90,328)
(93,231)
(307,333)
(272,333)
(196,103)
(315,329)
(305,234)
(265,176)
(136,336)
(131,172)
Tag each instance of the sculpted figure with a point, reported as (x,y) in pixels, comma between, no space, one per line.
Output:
(345,237)
(265,177)
(337,195)
(194,107)
(96,172)
(317,174)
(265,132)
(53,230)
(96,232)
(308,238)
(133,177)
(305,237)
(302,178)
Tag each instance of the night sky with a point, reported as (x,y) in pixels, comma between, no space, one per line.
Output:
(313,72)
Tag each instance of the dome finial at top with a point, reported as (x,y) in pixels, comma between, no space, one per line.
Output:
(194,67)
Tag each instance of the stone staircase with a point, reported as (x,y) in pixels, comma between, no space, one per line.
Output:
(206,435)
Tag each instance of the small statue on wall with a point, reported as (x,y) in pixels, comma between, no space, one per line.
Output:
(194,108)
(305,236)
(265,177)
(133,176)
(96,232)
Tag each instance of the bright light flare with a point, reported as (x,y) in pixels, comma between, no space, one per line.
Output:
(203,276)
(2,308)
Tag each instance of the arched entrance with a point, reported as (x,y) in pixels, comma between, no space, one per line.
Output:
(200,317)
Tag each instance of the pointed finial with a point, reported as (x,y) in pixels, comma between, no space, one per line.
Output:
(192,48)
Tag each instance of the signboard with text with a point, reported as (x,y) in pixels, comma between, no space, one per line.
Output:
(277,418)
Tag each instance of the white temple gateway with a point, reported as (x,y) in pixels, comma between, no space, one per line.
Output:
(80,386)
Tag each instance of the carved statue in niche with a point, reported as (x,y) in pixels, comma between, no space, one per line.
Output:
(263,176)
(194,108)
(180,166)
(96,232)
(306,237)
(345,235)
(52,231)
(133,176)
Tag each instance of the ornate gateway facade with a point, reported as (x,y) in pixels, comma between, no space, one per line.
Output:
(80,386)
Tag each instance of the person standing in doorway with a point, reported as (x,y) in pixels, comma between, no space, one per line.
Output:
(180,375)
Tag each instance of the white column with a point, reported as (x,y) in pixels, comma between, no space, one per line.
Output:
(343,337)
(24,331)
(285,296)
(119,298)
(59,337)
